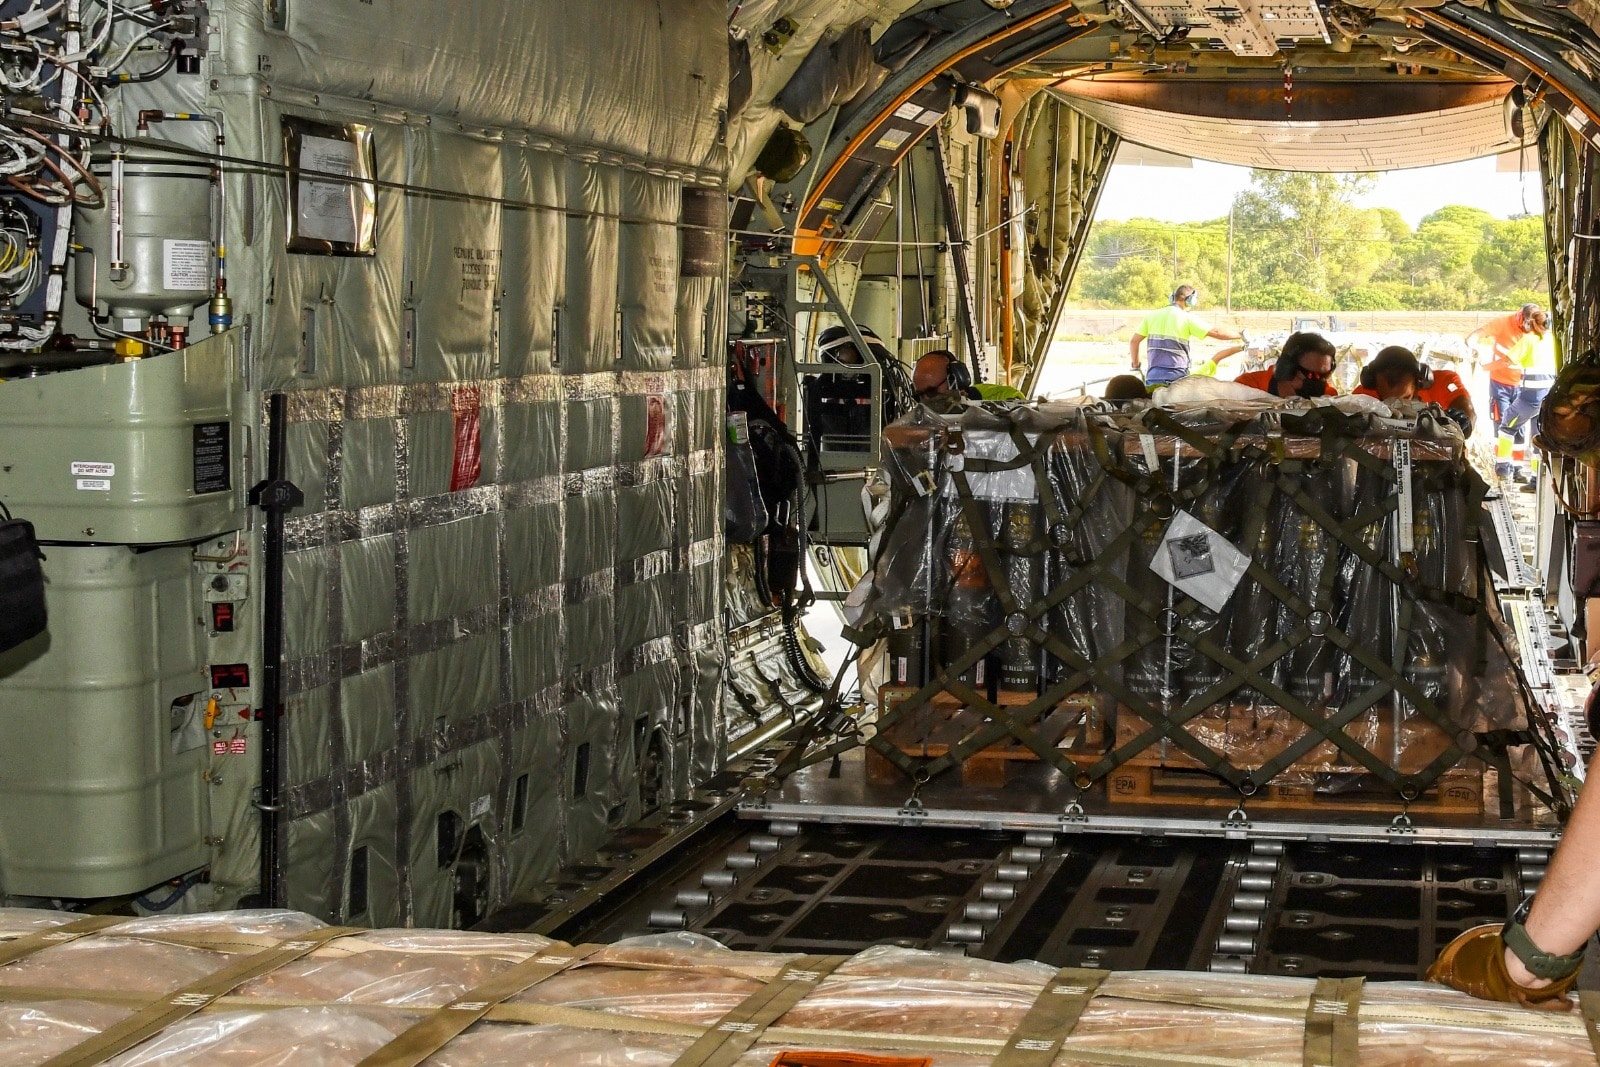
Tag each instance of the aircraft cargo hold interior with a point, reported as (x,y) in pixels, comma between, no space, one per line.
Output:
(569,533)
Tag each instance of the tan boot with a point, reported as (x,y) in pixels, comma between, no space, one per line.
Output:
(1475,963)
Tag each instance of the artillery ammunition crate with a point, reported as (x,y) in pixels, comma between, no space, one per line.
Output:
(1284,593)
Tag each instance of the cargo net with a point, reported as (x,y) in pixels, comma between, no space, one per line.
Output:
(1242,597)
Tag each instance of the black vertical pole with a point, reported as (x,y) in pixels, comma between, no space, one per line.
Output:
(956,239)
(276,496)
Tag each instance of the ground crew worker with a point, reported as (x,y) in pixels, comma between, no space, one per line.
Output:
(1535,356)
(1302,369)
(1501,334)
(1167,334)
(1125,387)
(1396,374)
(1207,368)
(942,381)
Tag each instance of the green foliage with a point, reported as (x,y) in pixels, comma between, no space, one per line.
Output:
(1279,296)
(1305,229)
(1512,257)
(1437,296)
(1300,242)
(1375,296)
(1140,262)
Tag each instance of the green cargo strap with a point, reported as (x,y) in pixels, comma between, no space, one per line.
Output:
(27,945)
(195,997)
(422,1039)
(734,1034)
(1332,1030)
(1589,1005)
(1051,1020)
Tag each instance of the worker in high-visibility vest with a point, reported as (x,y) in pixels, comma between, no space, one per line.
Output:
(1535,356)
(1500,335)
(1166,334)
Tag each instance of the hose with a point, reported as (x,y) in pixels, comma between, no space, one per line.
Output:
(183,886)
(799,662)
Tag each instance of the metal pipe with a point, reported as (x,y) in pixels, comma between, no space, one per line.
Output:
(1497,34)
(1008,316)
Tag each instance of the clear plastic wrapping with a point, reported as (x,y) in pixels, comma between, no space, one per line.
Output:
(1022,549)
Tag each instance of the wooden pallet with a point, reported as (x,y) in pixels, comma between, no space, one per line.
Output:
(1459,791)
(1251,738)
(1077,725)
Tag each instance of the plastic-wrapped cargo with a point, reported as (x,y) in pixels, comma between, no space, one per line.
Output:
(280,988)
(1284,595)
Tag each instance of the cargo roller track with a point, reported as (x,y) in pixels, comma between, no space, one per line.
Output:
(1119,901)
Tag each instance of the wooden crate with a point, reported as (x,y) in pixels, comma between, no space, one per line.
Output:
(1076,725)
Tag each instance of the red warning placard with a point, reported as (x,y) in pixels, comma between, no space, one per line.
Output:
(464,406)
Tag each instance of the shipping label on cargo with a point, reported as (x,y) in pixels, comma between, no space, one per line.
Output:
(1199,561)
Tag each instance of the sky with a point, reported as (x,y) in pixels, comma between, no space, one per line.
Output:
(1180,195)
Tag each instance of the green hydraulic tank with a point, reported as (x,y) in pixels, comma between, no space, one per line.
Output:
(102,739)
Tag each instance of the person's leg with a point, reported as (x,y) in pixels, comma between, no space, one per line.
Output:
(1519,420)
(1500,398)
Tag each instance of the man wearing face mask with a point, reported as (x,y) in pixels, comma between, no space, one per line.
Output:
(1302,369)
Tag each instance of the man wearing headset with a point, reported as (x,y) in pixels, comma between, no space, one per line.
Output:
(1396,374)
(1167,334)
(1302,369)
(942,381)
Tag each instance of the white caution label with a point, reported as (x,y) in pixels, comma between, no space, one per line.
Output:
(1404,512)
(95,485)
(893,139)
(186,264)
(481,806)
(84,469)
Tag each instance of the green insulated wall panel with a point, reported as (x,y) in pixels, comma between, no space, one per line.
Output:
(507,425)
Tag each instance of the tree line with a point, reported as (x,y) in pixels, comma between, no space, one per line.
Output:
(1300,242)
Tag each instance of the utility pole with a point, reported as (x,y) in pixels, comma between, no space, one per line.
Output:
(1230,259)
